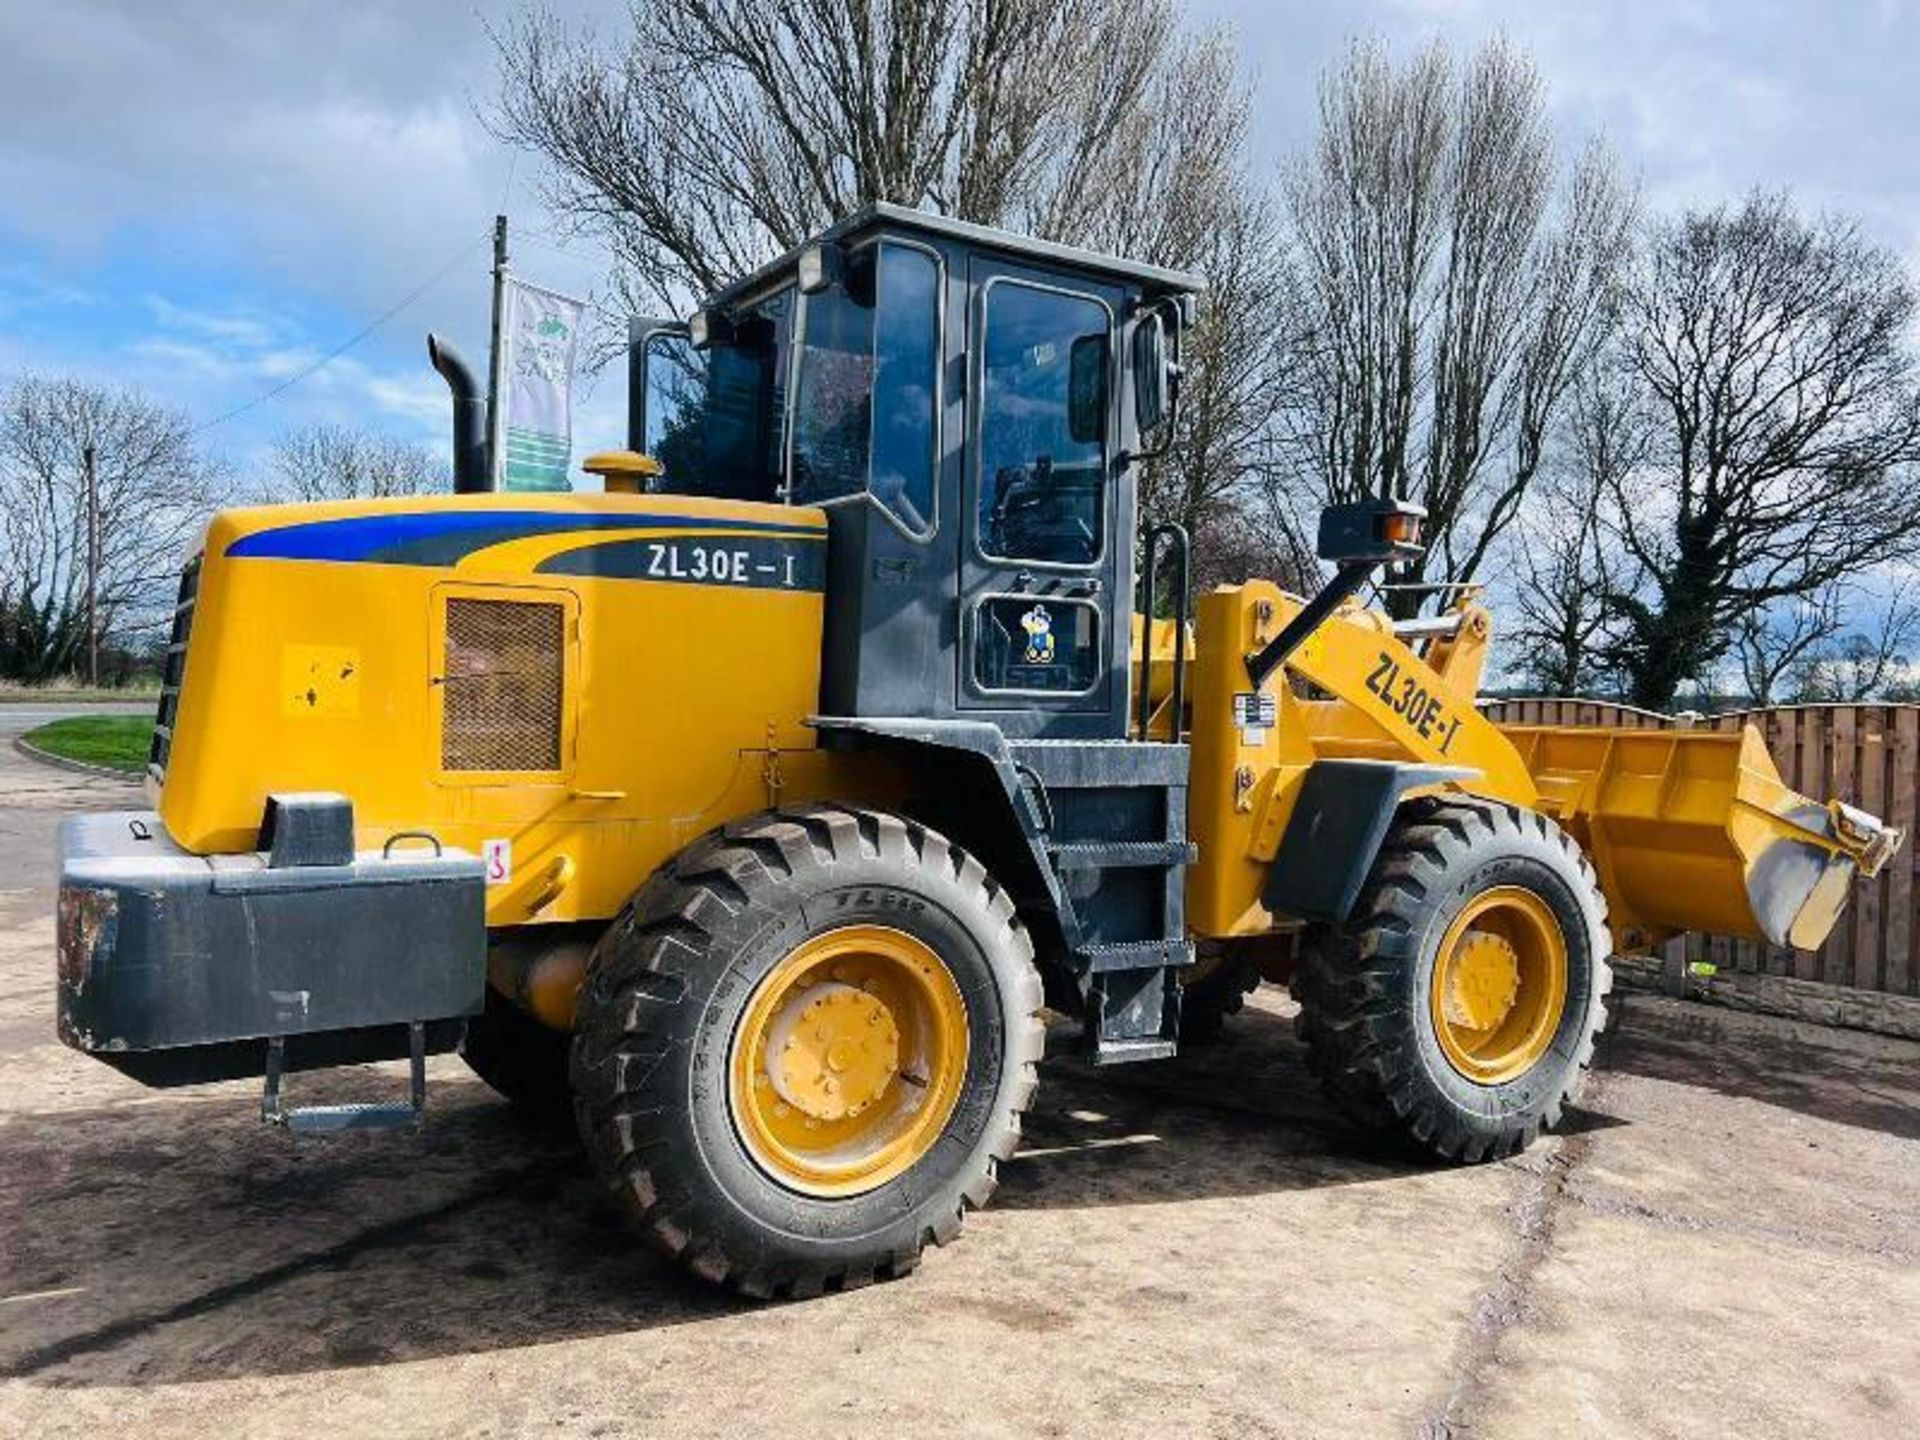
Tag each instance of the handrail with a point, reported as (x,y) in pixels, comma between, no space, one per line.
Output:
(1182,556)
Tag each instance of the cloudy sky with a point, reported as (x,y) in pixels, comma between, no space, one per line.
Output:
(204,197)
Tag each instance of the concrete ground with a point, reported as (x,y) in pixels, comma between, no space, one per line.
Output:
(1726,1241)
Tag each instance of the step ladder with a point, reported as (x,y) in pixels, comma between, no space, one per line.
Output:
(1113,817)
(331,1119)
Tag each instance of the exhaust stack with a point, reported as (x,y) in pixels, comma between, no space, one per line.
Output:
(472,468)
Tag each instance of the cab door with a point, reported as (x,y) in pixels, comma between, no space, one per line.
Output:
(1041,524)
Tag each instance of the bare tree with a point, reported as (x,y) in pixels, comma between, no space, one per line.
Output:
(154,491)
(1567,559)
(1775,354)
(1775,643)
(1859,648)
(1224,461)
(1096,122)
(1060,117)
(1248,542)
(1450,283)
(338,462)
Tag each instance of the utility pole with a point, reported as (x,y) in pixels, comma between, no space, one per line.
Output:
(93,566)
(496,417)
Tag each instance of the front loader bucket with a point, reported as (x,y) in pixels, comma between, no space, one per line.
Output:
(1694,830)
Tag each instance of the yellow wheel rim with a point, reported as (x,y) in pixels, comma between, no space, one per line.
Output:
(1499,985)
(848,1061)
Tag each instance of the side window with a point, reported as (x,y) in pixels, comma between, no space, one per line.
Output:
(833,411)
(906,386)
(770,332)
(714,419)
(1034,644)
(866,416)
(676,400)
(1043,420)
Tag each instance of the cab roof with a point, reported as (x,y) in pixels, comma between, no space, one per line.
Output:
(880,216)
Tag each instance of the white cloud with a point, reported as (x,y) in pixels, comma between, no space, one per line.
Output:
(240,328)
(327,156)
(1706,99)
(242,355)
(333,147)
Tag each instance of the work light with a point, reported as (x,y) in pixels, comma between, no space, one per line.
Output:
(821,267)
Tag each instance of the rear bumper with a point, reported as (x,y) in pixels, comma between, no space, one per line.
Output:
(178,967)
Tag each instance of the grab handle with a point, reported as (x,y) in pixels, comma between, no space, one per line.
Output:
(386,850)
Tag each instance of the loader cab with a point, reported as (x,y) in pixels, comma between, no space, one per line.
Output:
(968,407)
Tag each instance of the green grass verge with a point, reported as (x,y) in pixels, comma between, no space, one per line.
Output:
(118,741)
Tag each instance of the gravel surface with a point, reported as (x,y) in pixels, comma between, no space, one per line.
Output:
(1727,1240)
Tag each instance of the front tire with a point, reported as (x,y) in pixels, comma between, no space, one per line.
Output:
(1457,1008)
(805,1046)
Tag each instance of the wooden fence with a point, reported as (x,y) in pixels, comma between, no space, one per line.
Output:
(1867,755)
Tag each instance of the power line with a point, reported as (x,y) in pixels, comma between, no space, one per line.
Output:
(585,254)
(372,325)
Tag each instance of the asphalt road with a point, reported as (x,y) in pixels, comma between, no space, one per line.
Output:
(18,717)
(1726,1241)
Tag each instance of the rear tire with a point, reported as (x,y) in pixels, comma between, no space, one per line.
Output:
(1499,908)
(673,1026)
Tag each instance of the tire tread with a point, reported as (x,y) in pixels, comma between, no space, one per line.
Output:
(622,1088)
(1350,981)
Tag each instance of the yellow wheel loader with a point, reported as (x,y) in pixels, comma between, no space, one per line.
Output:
(758,807)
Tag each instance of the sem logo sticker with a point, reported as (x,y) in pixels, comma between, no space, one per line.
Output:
(1039,627)
(497,855)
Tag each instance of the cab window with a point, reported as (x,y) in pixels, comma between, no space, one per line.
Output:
(866,413)
(676,404)
(1036,645)
(906,386)
(833,406)
(1043,424)
(718,415)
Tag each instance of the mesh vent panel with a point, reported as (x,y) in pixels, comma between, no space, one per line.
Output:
(503,685)
(173,672)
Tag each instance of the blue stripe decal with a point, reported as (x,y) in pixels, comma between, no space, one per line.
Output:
(442,537)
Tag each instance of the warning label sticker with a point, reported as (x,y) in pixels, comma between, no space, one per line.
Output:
(498,855)
(1255,708)
(1253,715)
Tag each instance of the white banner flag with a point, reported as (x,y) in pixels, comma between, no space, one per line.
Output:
(540,334)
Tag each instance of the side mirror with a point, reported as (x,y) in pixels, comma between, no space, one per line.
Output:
(1087,390)
(1153,373)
